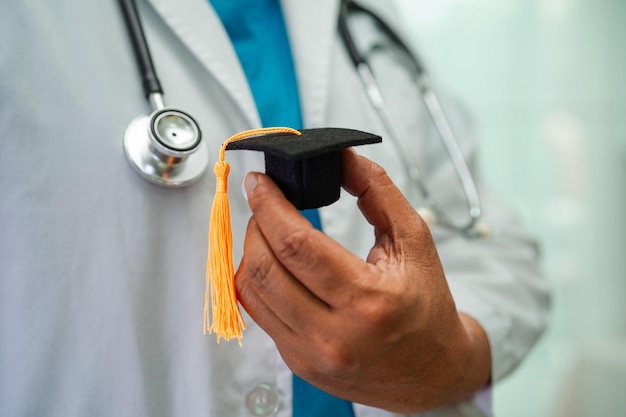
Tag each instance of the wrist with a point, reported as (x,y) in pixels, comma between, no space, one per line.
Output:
(467,369)
(478,368)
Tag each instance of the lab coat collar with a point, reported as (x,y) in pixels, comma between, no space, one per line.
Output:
(311,26)
(200,29)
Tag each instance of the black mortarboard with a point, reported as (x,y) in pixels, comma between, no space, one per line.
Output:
(307,168)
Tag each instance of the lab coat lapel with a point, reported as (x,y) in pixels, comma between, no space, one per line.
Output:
(311,26)
(199,28)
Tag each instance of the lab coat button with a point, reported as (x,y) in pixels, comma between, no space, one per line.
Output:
(263,400)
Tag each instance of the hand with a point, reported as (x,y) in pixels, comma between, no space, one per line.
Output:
(383,332)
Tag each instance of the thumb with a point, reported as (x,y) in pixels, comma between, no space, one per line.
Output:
(380,201)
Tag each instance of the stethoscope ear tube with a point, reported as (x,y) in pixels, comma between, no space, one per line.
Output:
(348,6)
(353,51)
(149,78)
(436,112)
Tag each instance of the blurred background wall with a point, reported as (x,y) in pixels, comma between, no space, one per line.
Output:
(546,80)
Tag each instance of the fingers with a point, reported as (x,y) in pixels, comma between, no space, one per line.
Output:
(401,234)
(307,332)
(321,265)
(273,298)
(380,201)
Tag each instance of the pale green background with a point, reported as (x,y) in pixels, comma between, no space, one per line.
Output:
(546,80)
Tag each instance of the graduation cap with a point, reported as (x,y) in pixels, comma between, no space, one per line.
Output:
(306,166)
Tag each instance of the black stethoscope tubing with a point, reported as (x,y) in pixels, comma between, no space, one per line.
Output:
(356,56)
(149,79)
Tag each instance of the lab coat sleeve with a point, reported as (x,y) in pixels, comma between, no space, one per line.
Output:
(497,278)
(497,281)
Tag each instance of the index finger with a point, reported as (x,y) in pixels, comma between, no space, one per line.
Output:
(322,265)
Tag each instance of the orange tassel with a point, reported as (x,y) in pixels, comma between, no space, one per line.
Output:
(220,272)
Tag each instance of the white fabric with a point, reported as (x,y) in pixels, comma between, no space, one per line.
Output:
(102,278)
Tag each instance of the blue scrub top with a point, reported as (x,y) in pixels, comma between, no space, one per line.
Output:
(257,30)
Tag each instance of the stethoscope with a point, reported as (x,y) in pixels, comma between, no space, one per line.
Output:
(166,146)
(431,211)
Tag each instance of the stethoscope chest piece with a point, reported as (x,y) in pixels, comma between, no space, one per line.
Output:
(166,148)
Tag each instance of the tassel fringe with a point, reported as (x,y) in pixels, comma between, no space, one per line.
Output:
(227,321)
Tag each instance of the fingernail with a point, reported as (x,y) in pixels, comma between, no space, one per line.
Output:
(250,183)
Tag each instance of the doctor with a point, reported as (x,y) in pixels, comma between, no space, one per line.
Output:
(102,280)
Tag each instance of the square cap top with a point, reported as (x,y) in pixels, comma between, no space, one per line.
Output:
(312,142)
(307,168)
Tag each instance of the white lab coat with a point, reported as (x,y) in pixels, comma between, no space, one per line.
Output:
(102,273)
